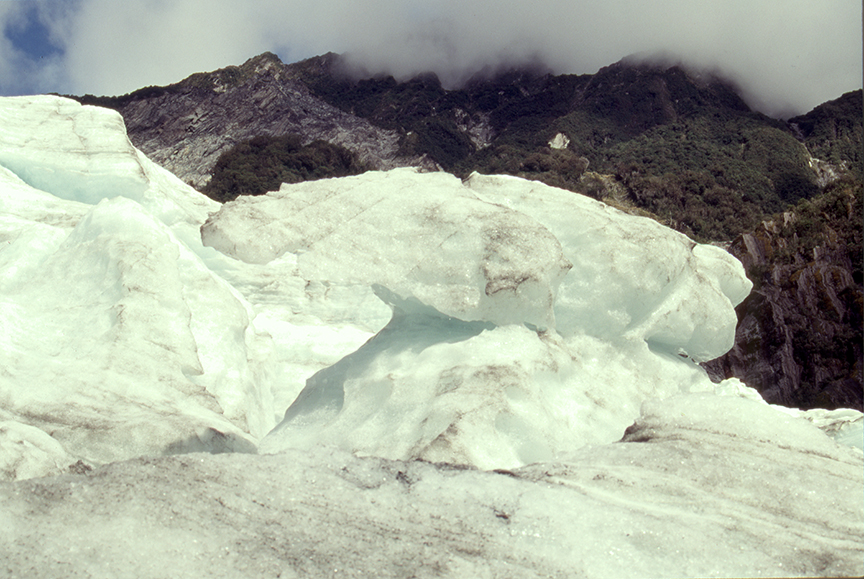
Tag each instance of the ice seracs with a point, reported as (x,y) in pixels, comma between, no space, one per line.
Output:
(75,153)
(118,340)
(587,313)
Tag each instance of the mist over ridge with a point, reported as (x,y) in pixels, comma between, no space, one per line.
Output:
(536,66)
(788,56)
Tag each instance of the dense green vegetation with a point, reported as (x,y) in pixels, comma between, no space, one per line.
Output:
(685,149)
(681,146)
(262,164)
(709,180)
(832,221)
(834,132)
(556,167)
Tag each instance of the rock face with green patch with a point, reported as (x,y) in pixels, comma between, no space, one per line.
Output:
(800,331)
(682,144)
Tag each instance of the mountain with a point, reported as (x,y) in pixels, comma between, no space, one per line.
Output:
(833,132)
(679,144)
(186,126)
(799,338)
(656,139)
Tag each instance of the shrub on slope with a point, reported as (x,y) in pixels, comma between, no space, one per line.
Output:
(263,163)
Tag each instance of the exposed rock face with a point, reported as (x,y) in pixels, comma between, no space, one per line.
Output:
(477,127)
(560,141)
(826,173)
(798,339)
(187,126)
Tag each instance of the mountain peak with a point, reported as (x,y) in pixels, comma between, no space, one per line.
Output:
(262,62)
(232,76)
(641,93)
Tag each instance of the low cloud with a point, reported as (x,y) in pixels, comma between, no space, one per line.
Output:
(786,55)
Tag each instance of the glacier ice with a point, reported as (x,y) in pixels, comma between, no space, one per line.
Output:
(127,343)
(76,152)
(564,283)
(631,276)
(420,237)
(702,486)
(480,378)
(29,452)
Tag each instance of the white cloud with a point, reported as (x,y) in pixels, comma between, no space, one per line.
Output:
(115,47)
(787,54)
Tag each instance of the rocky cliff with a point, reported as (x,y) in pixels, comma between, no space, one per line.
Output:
(185,127)
(799,336)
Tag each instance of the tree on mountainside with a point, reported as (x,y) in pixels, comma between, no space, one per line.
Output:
(263,163)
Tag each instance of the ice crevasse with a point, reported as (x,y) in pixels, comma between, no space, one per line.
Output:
(494,322)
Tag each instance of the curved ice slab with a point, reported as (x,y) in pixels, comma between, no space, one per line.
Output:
(71,151)
(631,276)
(496,249)
(445,390)
(640,305)
(419,235)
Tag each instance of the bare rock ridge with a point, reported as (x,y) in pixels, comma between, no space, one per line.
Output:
(498,122)
(186,127)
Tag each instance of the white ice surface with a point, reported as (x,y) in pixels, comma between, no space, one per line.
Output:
(631,276)
(120,335)
(707,486)
(527,326)
(423,237)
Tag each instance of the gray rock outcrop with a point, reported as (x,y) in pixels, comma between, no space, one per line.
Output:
(187,126)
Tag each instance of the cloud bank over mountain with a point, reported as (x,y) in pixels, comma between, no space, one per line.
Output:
(787,55)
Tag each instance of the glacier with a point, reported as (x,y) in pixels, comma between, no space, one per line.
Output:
(397,373)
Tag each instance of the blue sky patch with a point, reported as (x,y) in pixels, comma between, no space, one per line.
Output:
(30,35)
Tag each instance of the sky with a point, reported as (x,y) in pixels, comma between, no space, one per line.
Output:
(787,56)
